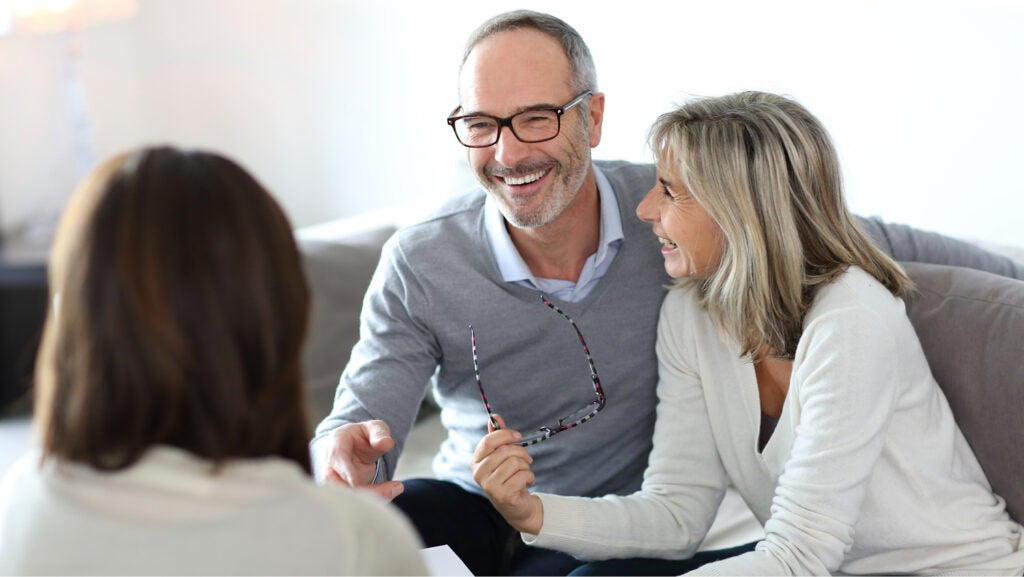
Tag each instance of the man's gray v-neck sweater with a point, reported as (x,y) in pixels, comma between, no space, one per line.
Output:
(438,277)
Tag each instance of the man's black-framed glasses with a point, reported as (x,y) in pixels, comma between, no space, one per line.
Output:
(565,423)
(531,125)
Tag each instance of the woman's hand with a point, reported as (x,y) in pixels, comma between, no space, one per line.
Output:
(502,469)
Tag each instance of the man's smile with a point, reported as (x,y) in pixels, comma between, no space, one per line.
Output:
(525,179)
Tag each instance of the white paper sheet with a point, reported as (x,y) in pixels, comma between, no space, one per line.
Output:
(441,560)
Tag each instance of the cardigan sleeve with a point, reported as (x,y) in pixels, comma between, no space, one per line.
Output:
(684,482)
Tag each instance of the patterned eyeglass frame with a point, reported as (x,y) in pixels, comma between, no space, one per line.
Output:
(546,432)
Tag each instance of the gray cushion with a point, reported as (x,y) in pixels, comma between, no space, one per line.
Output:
(339,271)
(971,326)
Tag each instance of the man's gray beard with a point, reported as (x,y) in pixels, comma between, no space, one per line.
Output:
(569,187)
(546,215)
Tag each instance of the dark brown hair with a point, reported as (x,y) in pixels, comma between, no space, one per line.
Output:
(179,312)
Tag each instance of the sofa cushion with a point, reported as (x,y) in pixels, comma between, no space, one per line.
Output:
(971,326)
(339,271)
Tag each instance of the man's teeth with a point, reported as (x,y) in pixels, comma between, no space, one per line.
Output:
(666,242)
(519,180)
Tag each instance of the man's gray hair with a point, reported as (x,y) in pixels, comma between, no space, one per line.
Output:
(584,75)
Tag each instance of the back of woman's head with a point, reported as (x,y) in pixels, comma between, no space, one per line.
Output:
(180,309)
(766,170)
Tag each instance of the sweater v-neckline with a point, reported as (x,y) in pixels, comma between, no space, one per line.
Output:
(751,399)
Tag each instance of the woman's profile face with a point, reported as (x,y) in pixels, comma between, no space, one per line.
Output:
(691,241)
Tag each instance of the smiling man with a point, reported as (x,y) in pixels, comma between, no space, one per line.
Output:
(550,236)
(547,221)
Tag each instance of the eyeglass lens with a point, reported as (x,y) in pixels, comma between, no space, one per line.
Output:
(528,126)
(564,424)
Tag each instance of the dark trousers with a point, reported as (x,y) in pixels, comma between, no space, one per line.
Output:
(446,514)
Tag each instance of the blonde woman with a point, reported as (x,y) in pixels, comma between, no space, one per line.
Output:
(787,365)
(169,403)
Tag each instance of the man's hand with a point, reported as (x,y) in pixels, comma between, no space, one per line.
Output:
(502,469)
(350,456)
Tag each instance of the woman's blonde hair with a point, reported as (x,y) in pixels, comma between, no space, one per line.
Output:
(766,171)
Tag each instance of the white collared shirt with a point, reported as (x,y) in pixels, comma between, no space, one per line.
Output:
(514,269)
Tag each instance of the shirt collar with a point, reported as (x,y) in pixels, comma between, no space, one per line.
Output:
(511,264)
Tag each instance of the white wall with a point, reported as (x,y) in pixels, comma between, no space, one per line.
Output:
(338,106)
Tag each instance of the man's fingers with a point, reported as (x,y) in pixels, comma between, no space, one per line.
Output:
(378,435)
(364,442)
(351,458)
(387,490)
(332,476)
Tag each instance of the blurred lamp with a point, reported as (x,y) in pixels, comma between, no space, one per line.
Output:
(44,16)
(66,18)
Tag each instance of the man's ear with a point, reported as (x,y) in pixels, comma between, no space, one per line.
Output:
(596,113)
